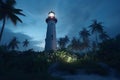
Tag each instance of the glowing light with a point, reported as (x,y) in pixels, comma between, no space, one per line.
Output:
(66,57)
(69,59)
(51,14)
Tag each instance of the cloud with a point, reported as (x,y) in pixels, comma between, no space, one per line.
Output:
(72,16)
(75,15)
(8,35)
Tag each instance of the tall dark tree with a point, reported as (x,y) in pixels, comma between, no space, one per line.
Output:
(103,36)
(8,11)
(84,34)
(75,44)
(62,42)
(109,52)
(66,38)
(25,43)
(94,46)
(13,44)
(96,28)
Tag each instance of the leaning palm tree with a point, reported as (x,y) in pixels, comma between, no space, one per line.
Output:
(96,28)
(103,36)
(8,11)
(25,43)
(13,44)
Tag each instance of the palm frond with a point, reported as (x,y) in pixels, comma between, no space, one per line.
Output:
(14,19)
(11,2)
(18,11)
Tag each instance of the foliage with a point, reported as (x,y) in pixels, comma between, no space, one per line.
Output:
(25,43)
(28,65)
(84,34)
(62,42)
(8,11)
(17,65)
(13,44)
(109,52)
(65,56)
(86,62)
(96,28)
(75,44)
(103,36)
(83,64)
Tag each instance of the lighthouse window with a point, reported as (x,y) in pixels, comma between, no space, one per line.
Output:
(52,37)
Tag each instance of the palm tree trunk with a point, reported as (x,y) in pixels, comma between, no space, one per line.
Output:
(96,43)
(3,26)
(96,39)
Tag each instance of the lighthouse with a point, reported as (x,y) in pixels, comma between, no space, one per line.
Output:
(50,41)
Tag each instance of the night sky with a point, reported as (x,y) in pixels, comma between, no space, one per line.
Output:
(72,16)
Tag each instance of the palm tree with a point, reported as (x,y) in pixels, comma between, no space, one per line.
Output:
(7,10)
(103,36)
(13,44)
(96,28)
(62,42)
(84,34)
(94,46)
(25,43)
(75,44)
(66,39)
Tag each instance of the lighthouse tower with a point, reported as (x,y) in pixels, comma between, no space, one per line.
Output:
(50,41)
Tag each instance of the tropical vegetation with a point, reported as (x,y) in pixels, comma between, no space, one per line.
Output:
(94,52)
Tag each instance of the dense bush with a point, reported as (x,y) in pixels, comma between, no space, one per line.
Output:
(29,65)
(86,63)
(16,65)
(109,52)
